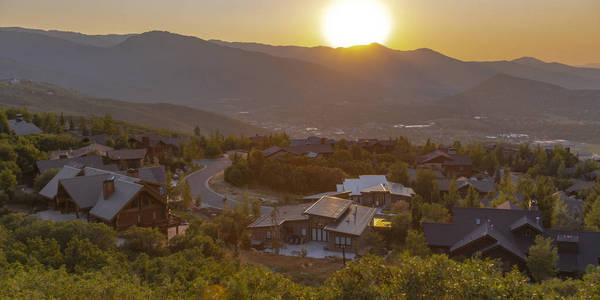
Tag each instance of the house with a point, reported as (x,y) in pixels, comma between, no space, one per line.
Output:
(21,127)
(128,158)
(101,139)
(376,145)
(157,146)
(484,187)
(118,200)
(578,186)
(317,150)
(375,191)
(93,148)
(93,161)
(312,198)
(311,140)
(453,165)
(338,223)
(507,235)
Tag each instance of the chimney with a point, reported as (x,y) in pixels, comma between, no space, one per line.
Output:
(133,173)
(108,187)
(19,117)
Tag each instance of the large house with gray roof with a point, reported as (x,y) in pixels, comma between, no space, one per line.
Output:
(338,223)
(120,200)
(375,191)
(507,234)
(21,127)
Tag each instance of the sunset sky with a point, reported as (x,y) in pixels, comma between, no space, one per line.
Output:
(553,30)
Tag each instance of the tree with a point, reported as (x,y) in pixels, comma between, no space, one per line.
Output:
(8,181)
(186,194)
(426,185)
(4,125)
(144,240)
(401,223)
(198,201)
(122,141)
(83,126)
(452,197)
(472,198)
(416,211)
(542,259)
(109,124)
(197,131)
(399,173)
(416,244)
(592,217)
(256,162)
(42,180)
(435,213)
(562,219)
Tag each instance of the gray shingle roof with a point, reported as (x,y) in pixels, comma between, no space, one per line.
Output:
(79,162)
(287,213)
(125,154)
(49,191)
(124,192)
(85,190)
(330,207)
(21,127)
(354,222)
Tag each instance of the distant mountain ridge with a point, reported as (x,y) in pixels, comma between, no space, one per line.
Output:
(42,97)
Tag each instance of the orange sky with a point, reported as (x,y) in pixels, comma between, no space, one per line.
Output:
(553,30)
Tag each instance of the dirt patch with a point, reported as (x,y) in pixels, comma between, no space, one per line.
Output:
(305,270)
(268,196)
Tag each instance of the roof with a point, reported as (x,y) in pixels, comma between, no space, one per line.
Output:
(85,190)
(153,174)
(126,154)
(153,140)
(431,156)
(102,149)
(458,160)
(579,185)
(49,191)
(354,221)
(334,194)
(508,205)
(373,183)
(124,192)
(588,245)
(329,207)
(526,221)
(305,149)
(287,213)
(271,150)
(78,162)
(21,127)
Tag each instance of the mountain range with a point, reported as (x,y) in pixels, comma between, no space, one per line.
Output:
(43,97)
(290,87)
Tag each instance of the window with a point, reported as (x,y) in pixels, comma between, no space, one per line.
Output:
(303,231)
(139,219)
(343,242)
(154,215)
(268,236)
(314,234)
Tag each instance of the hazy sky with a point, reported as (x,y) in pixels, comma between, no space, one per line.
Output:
(552,30)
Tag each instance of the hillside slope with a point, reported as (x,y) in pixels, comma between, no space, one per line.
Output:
(42,97)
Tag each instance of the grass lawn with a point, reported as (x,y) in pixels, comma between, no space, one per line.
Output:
(305,270)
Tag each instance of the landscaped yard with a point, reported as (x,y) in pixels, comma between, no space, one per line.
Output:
(309,271)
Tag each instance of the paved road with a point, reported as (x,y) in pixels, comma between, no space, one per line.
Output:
(198,182)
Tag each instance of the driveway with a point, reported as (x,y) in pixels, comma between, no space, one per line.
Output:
(198,182)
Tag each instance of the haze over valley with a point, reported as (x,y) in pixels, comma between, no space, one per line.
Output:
(360,91)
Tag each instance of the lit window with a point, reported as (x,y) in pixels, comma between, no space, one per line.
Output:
(268,235)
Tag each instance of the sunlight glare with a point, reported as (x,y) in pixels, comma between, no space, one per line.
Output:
(356,22)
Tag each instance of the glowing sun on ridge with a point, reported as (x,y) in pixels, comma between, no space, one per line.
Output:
(356,22)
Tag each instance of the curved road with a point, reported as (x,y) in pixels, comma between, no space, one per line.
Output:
(198,182)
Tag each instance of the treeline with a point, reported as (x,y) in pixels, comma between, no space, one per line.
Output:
(80,260)
(295,174)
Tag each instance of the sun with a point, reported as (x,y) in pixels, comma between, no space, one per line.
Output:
(356,22)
